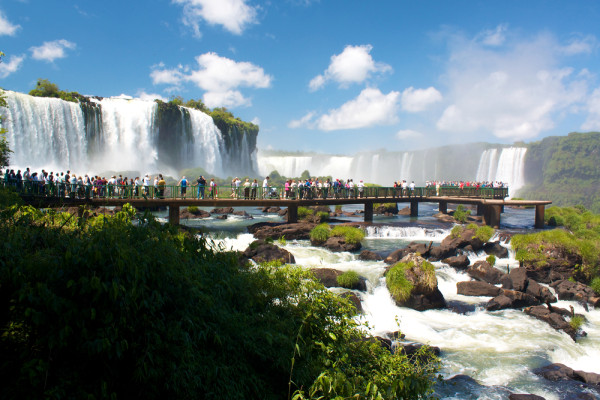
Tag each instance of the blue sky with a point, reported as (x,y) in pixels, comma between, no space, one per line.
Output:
(332,76)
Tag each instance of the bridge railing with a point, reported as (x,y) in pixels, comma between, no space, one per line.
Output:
(67,190)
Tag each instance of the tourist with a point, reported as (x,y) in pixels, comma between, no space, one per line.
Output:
(247,185)
(265,187)
(201,185)
(254,187)
(212,191)
(183,183)
(161,187)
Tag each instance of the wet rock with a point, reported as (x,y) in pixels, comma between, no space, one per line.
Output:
(412,350)
(224,210)
(354,299)
(187,214)
(515,396)
(496,249)
(367,255)
(567,290)
(516,280)
(560,372)
(444,250)
(298,231)
(551,316)
(483,271)
(262,251)
(396,256)
(477,288)
(511,299)
(338,244)
(242,214)
(458,262)
(271,210)
(540,292)
(223,216)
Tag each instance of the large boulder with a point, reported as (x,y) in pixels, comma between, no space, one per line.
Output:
(567,290)
(560,372)
(516,279)
(459,262)
(367,255)
(495,249)
(424,293)
(540,292)
(559,264)
(522,396)
(553,317)
(223,210)
(444,250)
(511,299)
(328,277)
(483,271)
(396,256)
(295,231)
(185,213)
(262,251)
(477,288)
(338,243)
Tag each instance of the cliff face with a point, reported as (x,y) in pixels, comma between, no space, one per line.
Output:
(238,146)
(565,169)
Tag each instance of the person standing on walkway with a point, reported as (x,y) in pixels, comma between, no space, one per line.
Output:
(265,187)
(183,183)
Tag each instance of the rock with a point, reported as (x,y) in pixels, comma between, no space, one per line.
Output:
(354,299)
(283,212)
(367,255)
(514,396)
(327,276)
(223,216)
(560,372)
(444,250)
(412,350)
(224,210)
(468,236)
(271,209)
(567,290)
(298,231)
(261,251)
(483,271)
(552,317)
(458,262)
(515,280)
(443,217)
(515,300)
(540,292)
(559,265)
(338,244)
(496,249)
(185,213)
(404,211)
(395,256)
(242,214)
(477,288)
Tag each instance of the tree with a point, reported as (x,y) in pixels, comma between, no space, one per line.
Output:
(4,149)
(45,88)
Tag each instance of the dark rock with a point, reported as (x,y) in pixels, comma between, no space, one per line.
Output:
(271,209)
(419,248)
(298,231)
(458,262)
(242,214)
(186,214)
(477,288)
(337,244)
(223,216)
(500,302)
(515,300)
(515,396)
(404,211)
(261,251)
(354,299)
(552,317)
(496,249)
(460,307)
(283,212)
(395,256)
(367,255)
(412,350)
(224,210)
(540,292)
(327,276)
(483,271)
(516,280)
(442,251)
(560,372)
(567,290)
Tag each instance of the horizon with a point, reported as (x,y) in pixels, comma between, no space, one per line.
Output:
(327,77)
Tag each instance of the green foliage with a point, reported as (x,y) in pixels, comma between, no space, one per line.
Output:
(224,117)
(595,285)
(576,322)
(484,233)
(104,308)
(491,259)
(461,214)
(323,216)
(338,208)
(304,212)
(348,279)
(282,241)
(4,147)
(198,105)
(9,197)
(456,231)
(350,234)
(400,288)
(319,233)
(193,209)
(45,88)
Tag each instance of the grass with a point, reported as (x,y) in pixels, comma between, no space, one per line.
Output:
(484,233)
(456,231)
(461,214)
(595,285)
(320,233)
(348,279)
(304,212)
(192,209)
(351,234)
(491,259)
(576,322)
(400,288)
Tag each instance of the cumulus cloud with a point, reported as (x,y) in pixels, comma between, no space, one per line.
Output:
(370,108)
(514,91)
(353,65)
(233,15)
(12,65)
(580,45)
(306,121)
(405,134)
(142,95)
(219,77)
(50,51)
(6,27)
(592,123)
(494,37)
(415,100)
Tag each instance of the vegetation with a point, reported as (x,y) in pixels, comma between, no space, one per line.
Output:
(193,209)
(350,234)
(491,259)
(400,287)
(576,322)
(595,284)
(223,117)
(457,230)
(569,170)
(304,212)
(45,88)
(461,214)
(484,233)
(348,279)
(4,147)
(100,307)
(320,233)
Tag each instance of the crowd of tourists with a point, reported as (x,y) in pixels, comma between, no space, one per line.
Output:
(69,184)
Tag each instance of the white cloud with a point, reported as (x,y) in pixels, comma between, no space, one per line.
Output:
(306,121)
(13,65)
(353,65)
(514,92)
(405,134)
(255,121)
(494,37)
(50,51)
(592,123)
(6,27)
(370,108)
(219,77)
(580,45)
(415,100)
(142,95)
(233,15)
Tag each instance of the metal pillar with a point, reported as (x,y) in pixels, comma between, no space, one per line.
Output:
(539,216)
(491,215)
(443,207)
(368,212)
(414,208)
(292,214)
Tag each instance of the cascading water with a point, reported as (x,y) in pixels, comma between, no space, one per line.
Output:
(508,167)
(120,134)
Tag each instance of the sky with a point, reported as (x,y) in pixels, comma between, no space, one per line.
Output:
(329,76)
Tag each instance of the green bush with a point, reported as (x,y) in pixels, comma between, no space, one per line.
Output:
(595,284)
(351,234)
(304,212)
(323,216)
(461,214)
(400,288)
(491,259)
(320,233)
(484,233)
(348,279)
(456,231)
(576,322)
(193,209)
(103,308)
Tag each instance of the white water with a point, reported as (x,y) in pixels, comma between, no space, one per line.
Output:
(205,145)
(495,348)
(509,167)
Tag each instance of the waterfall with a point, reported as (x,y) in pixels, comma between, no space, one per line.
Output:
(511,167)
(488,163)
(120,134)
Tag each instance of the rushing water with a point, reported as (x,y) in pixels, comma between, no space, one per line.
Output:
(498,349)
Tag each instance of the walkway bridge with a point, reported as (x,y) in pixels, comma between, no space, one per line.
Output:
(490,202)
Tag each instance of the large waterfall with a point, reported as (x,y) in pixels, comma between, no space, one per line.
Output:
(120,135)
(468,162)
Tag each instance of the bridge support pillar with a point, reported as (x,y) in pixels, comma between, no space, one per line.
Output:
(480,209)
(173,214)
(491,215)
(368,212)
(540,209)
(414,208)
(292,214)
(443,207)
